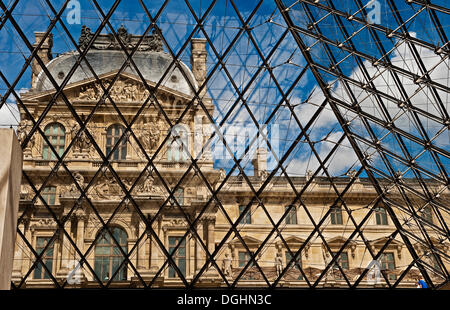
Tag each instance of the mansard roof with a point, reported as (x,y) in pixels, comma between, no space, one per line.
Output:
(107,56)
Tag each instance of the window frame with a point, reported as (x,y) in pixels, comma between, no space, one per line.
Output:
(291,216)
(112,137)
(336,211)
(247,219)
(183,265)
(49,195)
(108,258)
(39,272)
(294,264)
(59,145)
(381,217)
(384,264)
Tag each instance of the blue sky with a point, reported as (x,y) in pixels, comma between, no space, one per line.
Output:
(221,25)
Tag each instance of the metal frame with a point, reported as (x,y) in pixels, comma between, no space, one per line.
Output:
(313,31)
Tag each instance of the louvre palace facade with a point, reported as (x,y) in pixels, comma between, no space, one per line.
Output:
(94,224)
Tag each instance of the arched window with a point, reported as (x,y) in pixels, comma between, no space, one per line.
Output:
(178,149)
(108,256)
(113,135)
(56,135)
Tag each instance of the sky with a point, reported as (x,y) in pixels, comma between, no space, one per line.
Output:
(263,95)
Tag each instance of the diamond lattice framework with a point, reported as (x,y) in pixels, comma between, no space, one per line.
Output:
(285,143)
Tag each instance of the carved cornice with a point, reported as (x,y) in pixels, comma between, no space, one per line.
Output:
(151,42)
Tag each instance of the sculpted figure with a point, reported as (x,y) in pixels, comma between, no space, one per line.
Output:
(147,186)
(278,264)
(82,142)
(23,129)
(226,265)
(80,180)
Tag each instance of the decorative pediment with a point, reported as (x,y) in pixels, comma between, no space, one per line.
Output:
(294,244)
(249,241)
(127,88)
(421,247)
(336,243)
(380,242)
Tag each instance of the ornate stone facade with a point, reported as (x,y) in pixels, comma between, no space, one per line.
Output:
(122,194)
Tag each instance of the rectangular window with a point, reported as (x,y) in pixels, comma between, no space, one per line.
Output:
(46,258)
(381,216)
(291,217)
(49,195)
(244,257)
(247,219)
(427,214)
(336,216)
(297,264)
(179,257)
(388,263)
(179,196)
(342,261)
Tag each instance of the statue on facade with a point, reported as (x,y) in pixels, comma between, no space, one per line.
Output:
(147,186)
(85,37)
(149,136)
(278,264)
(106,188)
(226,265)
(87,92)
(23,129)
(79,179)
(81,142)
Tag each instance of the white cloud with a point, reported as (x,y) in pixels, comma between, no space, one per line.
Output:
(344,157)
(9,115)
(383,81)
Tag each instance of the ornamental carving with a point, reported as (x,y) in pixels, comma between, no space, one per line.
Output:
(106,188)
(149,135)
(123,90)
(176,223)
(23,129)
(79,179)
(108,41)
(82,143)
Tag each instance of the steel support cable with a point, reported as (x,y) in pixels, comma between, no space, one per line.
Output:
(265,65)
(330,55)
(423,132)
(170,192)
(68,106)
(343,124)
(29,46)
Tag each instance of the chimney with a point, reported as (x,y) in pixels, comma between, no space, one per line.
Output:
(260,161)
(44,53)
(198,61)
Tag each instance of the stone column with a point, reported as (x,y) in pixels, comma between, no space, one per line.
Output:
(211,234)
(65,246)
(154,252)
(199,261)
(18,255)
(141,248)
(10,179)
(80,231)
